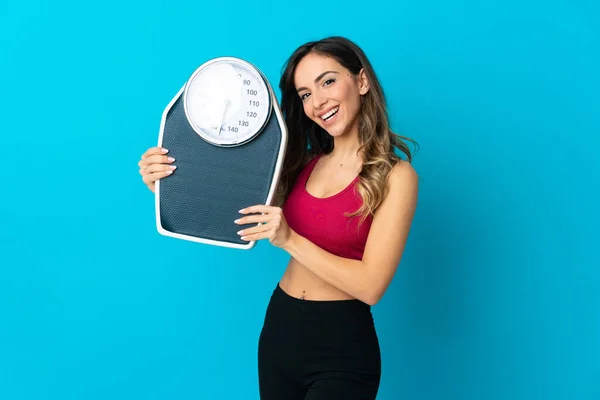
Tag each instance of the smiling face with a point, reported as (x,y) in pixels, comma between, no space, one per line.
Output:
(330,94)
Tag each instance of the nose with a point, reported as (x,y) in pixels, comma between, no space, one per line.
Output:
(318,100)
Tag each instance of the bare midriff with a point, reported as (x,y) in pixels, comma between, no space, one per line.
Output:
(298,281)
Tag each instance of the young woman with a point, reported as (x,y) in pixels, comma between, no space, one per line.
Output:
(343,211)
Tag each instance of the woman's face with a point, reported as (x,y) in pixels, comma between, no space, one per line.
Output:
(330,94)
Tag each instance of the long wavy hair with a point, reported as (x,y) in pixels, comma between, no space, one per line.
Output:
(307,139)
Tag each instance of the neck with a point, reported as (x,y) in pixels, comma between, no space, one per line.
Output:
(345,147)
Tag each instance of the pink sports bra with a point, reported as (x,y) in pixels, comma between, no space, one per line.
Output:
(322,220)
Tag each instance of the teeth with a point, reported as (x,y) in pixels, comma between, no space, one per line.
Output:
(330,113)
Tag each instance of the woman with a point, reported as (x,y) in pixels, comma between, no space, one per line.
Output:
(343,211)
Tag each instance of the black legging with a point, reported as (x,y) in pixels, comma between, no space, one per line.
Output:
(318,350)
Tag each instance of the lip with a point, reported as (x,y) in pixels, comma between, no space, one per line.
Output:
(326,111)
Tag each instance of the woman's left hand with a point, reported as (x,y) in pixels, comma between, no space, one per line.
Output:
(273,225)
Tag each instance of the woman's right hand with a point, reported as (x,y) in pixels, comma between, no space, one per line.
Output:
(154,165)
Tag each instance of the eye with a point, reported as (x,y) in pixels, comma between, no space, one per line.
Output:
(328,82)
(304,96)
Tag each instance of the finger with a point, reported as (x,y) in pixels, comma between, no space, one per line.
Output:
(157,168)
(255,230)
(151,178)
(251,219)
(146,175)
(256,236)
(154,150)
(259,208)
(155,159)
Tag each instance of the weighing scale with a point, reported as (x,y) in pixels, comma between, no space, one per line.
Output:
(228,137)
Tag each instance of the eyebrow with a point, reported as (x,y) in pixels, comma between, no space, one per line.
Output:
(317,79)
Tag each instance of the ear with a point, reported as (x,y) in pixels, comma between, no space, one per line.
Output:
(363,82)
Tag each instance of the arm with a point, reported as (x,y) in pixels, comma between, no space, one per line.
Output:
(369,278)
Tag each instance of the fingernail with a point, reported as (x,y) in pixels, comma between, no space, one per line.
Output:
(242,210)
(172,167)
(244,238)
(169,172)
(170,159)
(240,232)
(236,221)
(163,150)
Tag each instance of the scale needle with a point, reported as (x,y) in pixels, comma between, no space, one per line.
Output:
(227,104)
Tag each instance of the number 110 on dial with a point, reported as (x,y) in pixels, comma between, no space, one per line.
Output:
(227,101)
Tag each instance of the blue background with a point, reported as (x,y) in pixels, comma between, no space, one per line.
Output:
(498,294)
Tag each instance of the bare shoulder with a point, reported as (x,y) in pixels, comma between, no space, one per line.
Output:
(403,177)
(402,192)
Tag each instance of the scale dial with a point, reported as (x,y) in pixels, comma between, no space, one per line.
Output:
(227,101)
